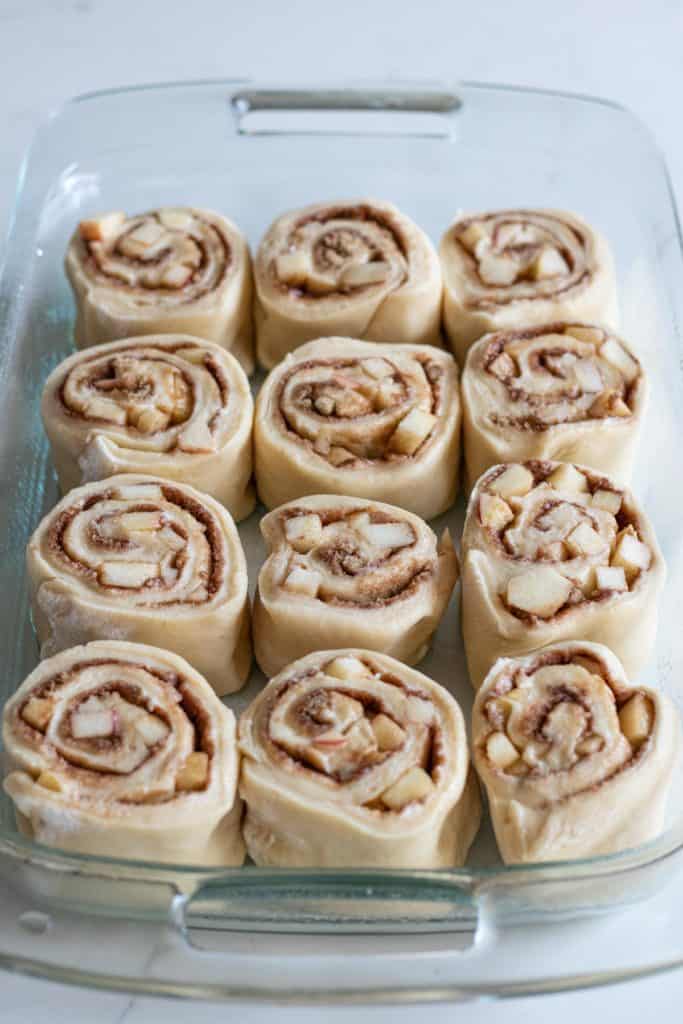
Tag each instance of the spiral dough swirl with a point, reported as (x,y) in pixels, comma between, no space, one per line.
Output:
(110,742)
(515,268)
(140,558)
(560,733)
(360,759)
(352,417)
(169,270)
(344,571)
(550,551)
(568,389)
(360,268)
(170,404)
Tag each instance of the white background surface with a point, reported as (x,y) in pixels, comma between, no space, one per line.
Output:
(628,51)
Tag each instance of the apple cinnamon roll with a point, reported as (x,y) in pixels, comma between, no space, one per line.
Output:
(553,551)
(347,572)
(171,405)
(138,558)
(518,268)
(342,416)
(565,391)
(350,759)
(359,268)
(576,761)
(167,271)
(123,750)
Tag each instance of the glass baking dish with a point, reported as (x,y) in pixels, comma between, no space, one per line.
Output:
(253,151)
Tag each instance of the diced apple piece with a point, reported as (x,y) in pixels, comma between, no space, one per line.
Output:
(512,699)
(37,712)
(534,753)
(473,233)
(171,539)
(631,554)
(48,780)
(609,501)
(149,419)
(541,591)
(104,409)
(338,456)
(495,513)
(303,581)
(500,751)
(503,367)
(324,404)
(359,274)
(86,725)
(130,575)
(377,368)
(416,784)
(388,734)
(584,540)
(635,719)
(589,745)
(303,532)
(197,438)
(386,394)
(176,276)
(139,492)
(610,577)
(584,578)
(359,520)
(346,667)
(609,403)
(352,403)
(568,478)
(587,375)
(293,267)
(176,219)
(135,522)
(317,283)
(410,433)
(616,354)
(141,239)
(549,263)
(388,535)
(514,481)
(498,270)
(583,332)
(555,551)
(195,772)
(99,229)
(151,728)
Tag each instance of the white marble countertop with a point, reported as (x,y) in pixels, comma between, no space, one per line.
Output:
(625,50)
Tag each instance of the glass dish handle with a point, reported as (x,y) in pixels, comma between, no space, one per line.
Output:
(417,110)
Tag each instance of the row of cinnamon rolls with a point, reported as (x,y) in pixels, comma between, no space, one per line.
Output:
(550,551)
(358,268)
(347,758)
(345,416)
(557,562)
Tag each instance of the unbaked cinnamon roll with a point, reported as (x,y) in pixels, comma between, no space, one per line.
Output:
(350,759)
(123,750)
(342,416)
(168,271)
(553,551)
(566,391)
(348,572)
(171,405)
(359,268)
(138,558)
(518,268)
(576,760)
